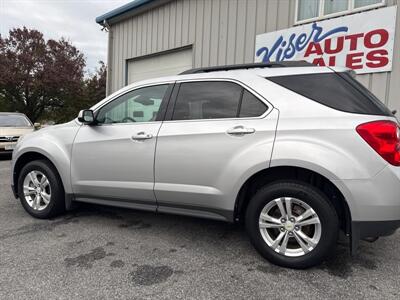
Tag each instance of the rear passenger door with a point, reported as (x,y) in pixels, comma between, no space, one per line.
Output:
(214,135)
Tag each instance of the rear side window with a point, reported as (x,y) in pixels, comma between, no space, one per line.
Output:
(215,100)
(251,106)
(207,100)
(336,90)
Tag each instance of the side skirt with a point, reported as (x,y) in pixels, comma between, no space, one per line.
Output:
(140,205)
(191,211)
(194,211)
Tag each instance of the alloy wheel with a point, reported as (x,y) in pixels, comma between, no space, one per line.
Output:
(37,190)
(290,226)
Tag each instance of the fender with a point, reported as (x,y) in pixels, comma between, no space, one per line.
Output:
(60,161)
(329,154)
(321,171)
(55,145)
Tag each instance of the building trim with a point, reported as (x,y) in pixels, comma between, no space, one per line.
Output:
(121,10)
(188,46)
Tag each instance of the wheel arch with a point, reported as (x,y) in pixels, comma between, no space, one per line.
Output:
(26,158)
(277,173)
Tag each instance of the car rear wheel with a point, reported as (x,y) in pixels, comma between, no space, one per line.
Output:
(40,190)
(292,224)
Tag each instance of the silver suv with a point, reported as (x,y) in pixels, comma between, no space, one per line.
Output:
(296,152)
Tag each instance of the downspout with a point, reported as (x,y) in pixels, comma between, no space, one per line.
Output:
(107,27)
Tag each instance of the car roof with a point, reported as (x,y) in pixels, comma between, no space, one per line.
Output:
(235,74)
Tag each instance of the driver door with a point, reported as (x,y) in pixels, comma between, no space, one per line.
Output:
(114,159)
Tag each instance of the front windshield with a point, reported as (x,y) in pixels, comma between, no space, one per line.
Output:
(14,121)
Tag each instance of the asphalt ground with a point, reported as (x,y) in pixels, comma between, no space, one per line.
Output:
(97,252)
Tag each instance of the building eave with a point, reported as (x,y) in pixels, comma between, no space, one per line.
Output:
(121,10)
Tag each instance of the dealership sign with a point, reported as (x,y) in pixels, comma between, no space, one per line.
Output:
(363,42)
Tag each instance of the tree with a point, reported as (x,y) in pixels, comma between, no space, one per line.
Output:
(95,85)
(38,77)
(93,89)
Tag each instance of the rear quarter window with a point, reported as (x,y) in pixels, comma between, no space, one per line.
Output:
(339,91)
(251,106)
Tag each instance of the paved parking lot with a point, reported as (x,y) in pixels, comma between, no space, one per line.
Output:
(102,252)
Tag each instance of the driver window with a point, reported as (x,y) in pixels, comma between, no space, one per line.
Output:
(141,105)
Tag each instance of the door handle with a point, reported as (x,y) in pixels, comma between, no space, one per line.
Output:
(140,136)
(240,130)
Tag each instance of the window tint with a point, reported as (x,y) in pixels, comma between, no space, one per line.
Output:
(251,106)
(336,90)
(207,100)
(141,105)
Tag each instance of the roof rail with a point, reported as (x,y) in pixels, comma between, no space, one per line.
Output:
(282,64)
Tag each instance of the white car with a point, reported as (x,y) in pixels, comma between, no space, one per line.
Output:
(12,126)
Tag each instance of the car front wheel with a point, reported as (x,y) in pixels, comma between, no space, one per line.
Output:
(40,190)
(292,224)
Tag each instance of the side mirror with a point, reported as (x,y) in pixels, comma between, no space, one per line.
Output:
(37,126)
(86,116)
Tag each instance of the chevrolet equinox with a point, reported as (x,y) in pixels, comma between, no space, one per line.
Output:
(294,151)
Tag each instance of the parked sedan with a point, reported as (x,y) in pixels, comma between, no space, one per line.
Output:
(12,126)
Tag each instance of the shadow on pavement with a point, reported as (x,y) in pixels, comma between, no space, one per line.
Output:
(215,234)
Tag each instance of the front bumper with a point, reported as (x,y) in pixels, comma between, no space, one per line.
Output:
(7,147)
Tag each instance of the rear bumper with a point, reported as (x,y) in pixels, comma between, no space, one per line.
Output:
(374,205)
(366,229)
(375,199)
(370,229)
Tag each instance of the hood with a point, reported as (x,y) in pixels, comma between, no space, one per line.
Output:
(72,123)
(53,128)
(50,132)
(15,131)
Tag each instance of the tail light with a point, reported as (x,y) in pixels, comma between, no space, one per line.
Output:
(384,138)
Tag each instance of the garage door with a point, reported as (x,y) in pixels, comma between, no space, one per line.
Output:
(171,63)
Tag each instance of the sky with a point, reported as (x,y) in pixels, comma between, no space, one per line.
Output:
(71,19)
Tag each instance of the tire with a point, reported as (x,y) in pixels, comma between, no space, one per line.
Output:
(51,190)
(321,237)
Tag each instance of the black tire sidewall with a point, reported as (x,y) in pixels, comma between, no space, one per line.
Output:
(311,196)
(57,191)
